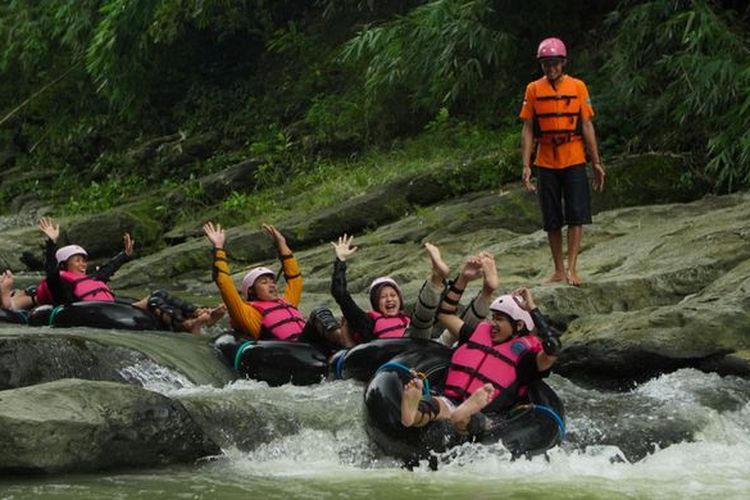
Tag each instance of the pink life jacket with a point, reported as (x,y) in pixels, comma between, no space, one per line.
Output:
(43,294)
(388,327)
(281,320)
(85,289)
(478,361)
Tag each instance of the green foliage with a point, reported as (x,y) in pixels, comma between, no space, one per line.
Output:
(680,73)
(100,196)
(439,53)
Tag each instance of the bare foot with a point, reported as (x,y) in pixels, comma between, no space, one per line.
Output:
(194,325)
(461,415)
(440,269)
(557,277)
(6,284)
(216,314)
(573,278)
(410,401)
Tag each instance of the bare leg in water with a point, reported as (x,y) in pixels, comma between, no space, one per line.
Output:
(411,416)
(203,316)
(474,404)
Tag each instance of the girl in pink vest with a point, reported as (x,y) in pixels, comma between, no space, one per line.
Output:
(67,281)
(386,318)
(493,362)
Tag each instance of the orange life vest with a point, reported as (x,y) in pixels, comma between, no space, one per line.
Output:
(557,112)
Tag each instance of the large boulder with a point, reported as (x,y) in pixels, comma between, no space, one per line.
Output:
(101,234)
(36,355)
(646,179)
(22,249)
(79,425)
(238,177)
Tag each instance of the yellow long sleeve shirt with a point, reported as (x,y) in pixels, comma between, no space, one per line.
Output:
(246,319)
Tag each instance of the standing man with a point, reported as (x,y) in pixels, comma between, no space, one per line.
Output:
(557,114)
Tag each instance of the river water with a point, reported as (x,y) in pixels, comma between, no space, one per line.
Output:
(683,435)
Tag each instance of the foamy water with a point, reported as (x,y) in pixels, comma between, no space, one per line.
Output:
(693,426)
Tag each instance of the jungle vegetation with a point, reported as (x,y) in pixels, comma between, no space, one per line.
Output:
(334,95)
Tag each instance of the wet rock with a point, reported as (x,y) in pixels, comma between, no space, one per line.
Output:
(35,359)
(79,425)
(147,151)
(238,177)
(15,242)
(101,234)
(35,355)
(647,179)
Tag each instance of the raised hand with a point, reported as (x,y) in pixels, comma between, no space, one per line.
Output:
(274,233)
(49,228)
(128,243)
(344,248)
(524,299)
(215,234)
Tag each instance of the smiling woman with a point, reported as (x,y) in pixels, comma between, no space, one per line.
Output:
(387,319)
(261,313)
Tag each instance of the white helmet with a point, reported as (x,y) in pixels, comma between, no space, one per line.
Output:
(249,280)
(506,304)
(68,251)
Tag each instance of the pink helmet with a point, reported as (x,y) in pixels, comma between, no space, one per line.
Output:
(506,304)
(551,47)
(377,284)
(249,280)
(68,251)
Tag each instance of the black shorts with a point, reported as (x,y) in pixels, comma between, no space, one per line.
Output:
(568,187)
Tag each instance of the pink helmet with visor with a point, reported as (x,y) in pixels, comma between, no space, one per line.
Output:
(249,280)
(551,48)
(506,304)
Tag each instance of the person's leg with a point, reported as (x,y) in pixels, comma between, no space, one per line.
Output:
(178,315)
(423,317)
(577,213)
(168,315)
(323,326)
(418,412)
(555,240)
(23,301)
(6,283)
(575,235)
(214,313)
(474,404)
(549,189)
